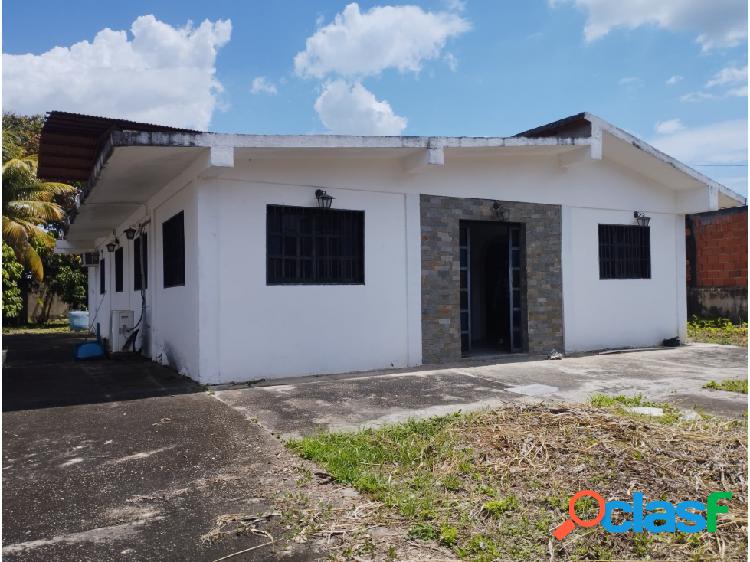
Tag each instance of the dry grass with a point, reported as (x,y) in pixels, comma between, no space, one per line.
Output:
(493,485)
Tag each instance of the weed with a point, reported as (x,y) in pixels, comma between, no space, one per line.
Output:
(730,385)
(618,403)
(448,535)
(423,532)
(496,508)
(717,330)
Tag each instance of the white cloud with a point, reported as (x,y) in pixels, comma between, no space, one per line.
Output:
(351,109)
(740,92)
(673,80)
(451,61)
(698,96)
(455,5)
(718,143)
(728,76)
(718,23)
(163,74)
(632,81)
(359,44)
(261,85)
(668,126)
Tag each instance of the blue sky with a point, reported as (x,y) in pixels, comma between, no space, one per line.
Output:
(434,67)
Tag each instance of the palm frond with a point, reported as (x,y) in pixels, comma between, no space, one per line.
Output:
(15,235)
(35,211)
(32,260)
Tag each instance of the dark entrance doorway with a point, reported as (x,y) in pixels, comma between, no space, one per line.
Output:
(490,287)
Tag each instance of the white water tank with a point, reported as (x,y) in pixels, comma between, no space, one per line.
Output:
(120,329)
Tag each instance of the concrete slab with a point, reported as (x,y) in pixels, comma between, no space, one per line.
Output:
(112,460)
(293,407)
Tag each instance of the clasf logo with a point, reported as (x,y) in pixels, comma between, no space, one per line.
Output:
(656,516)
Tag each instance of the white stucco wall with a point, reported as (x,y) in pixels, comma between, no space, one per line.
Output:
(605,313)
(226,324)
(171,314)
(252,330)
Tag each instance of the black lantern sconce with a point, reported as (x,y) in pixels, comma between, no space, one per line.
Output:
(641,218)
(499,211)
(111,246)
(130,233)
(324,200)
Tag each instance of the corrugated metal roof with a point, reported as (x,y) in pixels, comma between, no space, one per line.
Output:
(70,143)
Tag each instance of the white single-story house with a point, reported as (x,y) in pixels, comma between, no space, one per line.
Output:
(239,257)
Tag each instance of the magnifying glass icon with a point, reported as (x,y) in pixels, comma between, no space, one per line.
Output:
(569,524)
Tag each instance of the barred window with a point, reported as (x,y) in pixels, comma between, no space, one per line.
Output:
(624,251)
(313,246)
(173,250)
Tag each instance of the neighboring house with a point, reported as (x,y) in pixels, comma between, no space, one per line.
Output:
(717,263)
(433,248)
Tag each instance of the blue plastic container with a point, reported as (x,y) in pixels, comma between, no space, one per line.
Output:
(78,320)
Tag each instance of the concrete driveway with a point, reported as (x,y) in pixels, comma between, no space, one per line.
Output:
(293,407)
(124,460)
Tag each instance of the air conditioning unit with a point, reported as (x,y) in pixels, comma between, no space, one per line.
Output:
(120,329)
(90,259)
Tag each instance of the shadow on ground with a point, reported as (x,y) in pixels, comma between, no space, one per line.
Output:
(40,372)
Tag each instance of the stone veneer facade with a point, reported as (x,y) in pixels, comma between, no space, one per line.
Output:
(541,286)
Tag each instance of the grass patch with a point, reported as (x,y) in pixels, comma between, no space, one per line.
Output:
(52,327)
(494,484)
(618,403)
(730,385)
(717,330)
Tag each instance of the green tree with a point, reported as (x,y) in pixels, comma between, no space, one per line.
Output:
(31,207)
(21,135)
(28,207)
(12,271)
(65,277)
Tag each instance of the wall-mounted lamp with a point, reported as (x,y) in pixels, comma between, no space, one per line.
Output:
(112,245)
(130,233)
(499,211)
(641,218)
(324,200)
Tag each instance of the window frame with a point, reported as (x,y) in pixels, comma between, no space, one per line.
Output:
(119,269)
(137,262)
(335,253)
(173,263)
(624,252)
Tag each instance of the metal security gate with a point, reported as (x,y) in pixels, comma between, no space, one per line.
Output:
(465,290)
(514,282)
(514,288)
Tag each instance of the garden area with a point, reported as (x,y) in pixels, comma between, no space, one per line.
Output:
(493,485)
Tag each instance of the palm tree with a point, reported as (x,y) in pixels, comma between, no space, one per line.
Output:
(28,205)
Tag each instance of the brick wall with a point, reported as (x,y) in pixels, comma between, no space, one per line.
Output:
(720,241)
(717,263)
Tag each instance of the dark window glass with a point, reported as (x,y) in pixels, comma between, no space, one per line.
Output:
(102,281)
(624,252)
(118,270)
(312,246)
(173,250)
(140,244)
